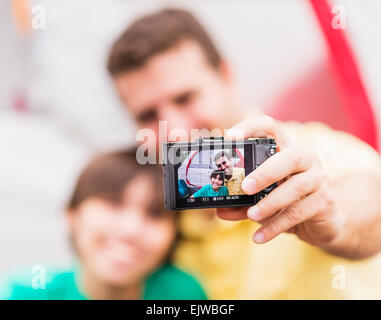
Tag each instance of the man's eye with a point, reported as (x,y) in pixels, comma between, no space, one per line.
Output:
(184,98)
(147,116)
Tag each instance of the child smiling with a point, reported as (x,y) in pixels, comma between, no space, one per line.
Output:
(215,188)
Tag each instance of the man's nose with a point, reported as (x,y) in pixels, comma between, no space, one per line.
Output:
(176,119)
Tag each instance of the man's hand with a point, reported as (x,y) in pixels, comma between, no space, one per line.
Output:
(302,203)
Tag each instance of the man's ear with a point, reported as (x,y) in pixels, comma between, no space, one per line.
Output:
(226,72)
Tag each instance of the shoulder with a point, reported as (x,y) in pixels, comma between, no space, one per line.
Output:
(36,283)
(200,191)
(339,152)
(238,172)
(170,282)
(205,189)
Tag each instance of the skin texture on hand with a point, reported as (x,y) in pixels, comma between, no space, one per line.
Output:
(357,195)
(305,202)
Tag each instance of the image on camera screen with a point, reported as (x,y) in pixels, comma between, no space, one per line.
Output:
(211,175)
(208,172)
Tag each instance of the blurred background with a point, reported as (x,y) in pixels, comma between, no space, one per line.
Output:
(58,107)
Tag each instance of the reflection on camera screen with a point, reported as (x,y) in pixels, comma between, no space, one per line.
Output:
(211,175)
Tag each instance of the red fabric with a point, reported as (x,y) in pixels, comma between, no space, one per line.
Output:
(312,97)
(351,88)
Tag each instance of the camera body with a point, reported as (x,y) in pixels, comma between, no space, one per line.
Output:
(208,172)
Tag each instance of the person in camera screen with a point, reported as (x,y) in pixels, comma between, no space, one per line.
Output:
(215,188)
(233,176)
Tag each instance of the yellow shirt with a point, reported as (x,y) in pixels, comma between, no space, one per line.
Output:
(231,266)
(235,182)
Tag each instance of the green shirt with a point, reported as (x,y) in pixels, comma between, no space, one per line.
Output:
(207,191)
(167,283)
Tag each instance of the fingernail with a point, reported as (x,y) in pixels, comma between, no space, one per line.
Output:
(253,213)
(259,237)
(249,185)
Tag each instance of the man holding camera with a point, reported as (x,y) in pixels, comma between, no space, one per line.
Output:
(166,67)
(233,175)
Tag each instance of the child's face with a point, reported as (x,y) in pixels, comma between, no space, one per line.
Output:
(122,243)
(216,183)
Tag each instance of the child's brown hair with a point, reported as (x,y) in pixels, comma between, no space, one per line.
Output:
(107,176)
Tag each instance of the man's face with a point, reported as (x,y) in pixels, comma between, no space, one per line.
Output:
(181,87)
(223,163)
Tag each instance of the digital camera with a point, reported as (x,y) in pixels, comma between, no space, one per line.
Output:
(208,172)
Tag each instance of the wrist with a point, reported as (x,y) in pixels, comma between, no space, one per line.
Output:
(346,242)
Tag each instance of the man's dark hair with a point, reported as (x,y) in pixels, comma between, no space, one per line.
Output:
(156,33)
(222,154)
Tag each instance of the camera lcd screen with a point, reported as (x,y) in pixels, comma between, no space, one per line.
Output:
(213,177)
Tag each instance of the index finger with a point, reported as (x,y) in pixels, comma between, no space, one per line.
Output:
(262,126)
(281,165)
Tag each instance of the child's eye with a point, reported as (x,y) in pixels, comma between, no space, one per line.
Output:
(111,201)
